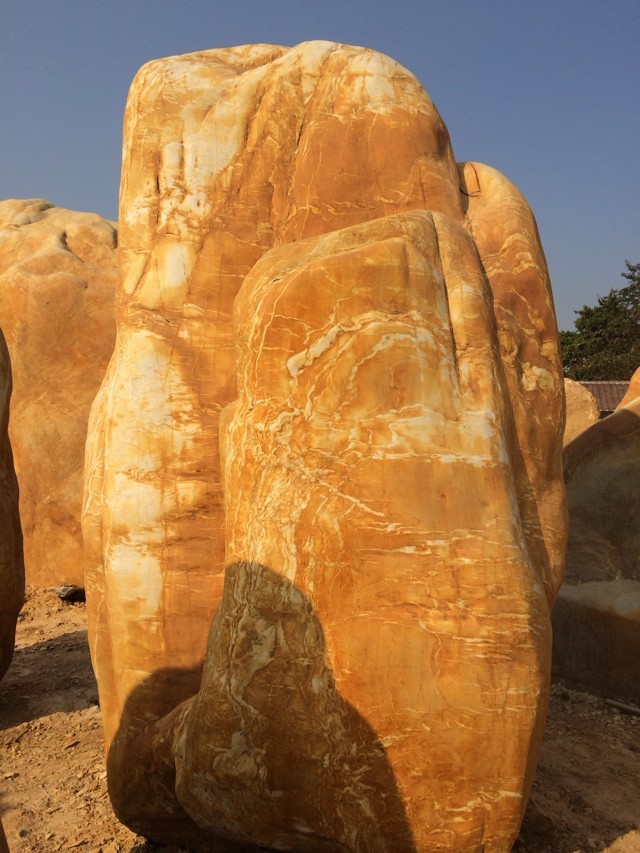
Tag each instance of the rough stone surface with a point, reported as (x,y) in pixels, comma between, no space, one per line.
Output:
(390,470)
(582,409)
(57,284)
(11,560)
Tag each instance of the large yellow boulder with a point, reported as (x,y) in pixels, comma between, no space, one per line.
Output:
(376,523)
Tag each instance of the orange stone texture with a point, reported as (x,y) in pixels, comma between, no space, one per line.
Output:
(57,285)
(582,409)
(11,558)
(324,510)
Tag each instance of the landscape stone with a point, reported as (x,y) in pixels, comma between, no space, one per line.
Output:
(582,409)
(332,424)
(11,558)
(57,284)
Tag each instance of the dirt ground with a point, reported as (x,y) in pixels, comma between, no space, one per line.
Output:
(53,792)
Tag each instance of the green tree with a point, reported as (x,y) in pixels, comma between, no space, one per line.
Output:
(606,340)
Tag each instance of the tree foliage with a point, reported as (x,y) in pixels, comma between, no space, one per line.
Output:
(606,340)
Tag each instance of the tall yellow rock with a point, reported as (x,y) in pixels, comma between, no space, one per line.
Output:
(57,284)
(11,559)
(388,499)
(226,153)
(506,236)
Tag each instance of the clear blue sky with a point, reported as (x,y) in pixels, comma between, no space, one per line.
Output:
(547,92)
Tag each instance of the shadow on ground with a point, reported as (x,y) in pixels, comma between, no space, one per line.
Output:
(53,675)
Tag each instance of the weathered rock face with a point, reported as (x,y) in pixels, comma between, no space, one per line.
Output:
(390,466)
(57,283)
(506,235)
(582,409)
(597,615)
(11,561)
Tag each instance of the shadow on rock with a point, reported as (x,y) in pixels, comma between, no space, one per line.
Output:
(268,754)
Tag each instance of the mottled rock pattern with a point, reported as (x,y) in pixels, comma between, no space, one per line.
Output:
(346,523)
(506,235)
(226,153)
(582,409)
(11,560)
(57,284)
(357,388)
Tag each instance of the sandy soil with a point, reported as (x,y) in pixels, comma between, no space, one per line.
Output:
(53,781)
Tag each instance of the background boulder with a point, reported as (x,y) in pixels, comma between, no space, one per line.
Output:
(57,284)
(597,616)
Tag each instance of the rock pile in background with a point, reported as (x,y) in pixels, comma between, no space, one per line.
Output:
(597,615)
